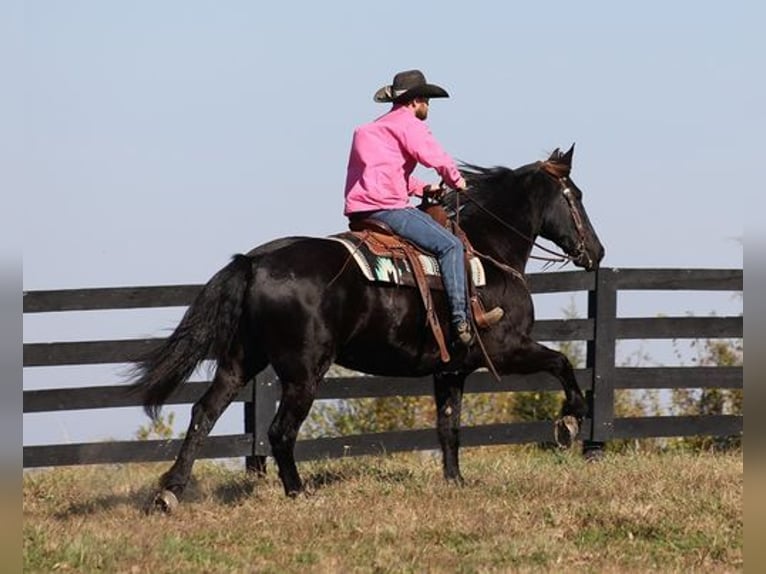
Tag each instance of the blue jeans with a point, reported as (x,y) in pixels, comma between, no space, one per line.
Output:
(421,229)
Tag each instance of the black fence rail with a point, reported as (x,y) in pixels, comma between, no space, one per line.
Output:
(600,378)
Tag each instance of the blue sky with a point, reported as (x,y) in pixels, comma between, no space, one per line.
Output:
(156,139)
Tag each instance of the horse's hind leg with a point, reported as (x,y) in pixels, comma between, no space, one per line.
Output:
(299,387)
(229,379)
(448,392)
(294,407)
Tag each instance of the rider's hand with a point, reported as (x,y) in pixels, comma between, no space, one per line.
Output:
(433,191)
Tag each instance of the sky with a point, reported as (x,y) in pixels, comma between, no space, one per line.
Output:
(156,139)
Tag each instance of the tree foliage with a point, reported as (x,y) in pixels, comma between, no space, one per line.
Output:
(712,352)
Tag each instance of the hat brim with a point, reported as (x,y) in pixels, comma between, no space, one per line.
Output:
(385,94)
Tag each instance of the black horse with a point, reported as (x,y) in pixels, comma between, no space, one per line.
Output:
(298,305)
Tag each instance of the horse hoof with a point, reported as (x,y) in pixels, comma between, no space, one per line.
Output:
(565,430)
(165,501)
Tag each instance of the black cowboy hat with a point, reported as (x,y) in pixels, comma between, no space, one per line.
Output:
(407,86)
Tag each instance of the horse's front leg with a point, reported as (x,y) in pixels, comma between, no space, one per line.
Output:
(532,357)
(448,392)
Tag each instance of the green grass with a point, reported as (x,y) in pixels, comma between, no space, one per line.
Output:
(521,510)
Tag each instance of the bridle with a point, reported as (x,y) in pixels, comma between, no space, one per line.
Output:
(560,173)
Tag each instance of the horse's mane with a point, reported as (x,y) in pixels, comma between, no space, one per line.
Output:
(481,177)
(482,181)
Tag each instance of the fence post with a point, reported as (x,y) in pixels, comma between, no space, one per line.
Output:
(602,307)
(259,413)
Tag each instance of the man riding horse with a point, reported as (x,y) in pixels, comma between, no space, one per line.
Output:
(295,305)
(379,183)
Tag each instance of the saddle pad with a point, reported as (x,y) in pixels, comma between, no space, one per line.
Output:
(395,270)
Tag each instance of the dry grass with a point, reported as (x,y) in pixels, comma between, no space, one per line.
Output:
(520,511)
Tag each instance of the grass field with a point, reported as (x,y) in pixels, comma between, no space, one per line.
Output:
(521,510)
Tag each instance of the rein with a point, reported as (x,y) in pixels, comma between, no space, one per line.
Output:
(559,257)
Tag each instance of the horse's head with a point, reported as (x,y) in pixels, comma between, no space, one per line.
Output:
(506,209)
(565,221)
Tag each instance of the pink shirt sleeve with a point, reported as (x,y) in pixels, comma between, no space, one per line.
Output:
(426,150)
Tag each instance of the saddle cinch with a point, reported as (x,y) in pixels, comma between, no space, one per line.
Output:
(381,241)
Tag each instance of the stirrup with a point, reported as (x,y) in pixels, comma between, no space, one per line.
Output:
(463,334)
(485,319)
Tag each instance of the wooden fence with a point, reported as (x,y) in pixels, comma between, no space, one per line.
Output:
(600,378)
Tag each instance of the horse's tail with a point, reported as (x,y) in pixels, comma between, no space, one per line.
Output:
(206,331)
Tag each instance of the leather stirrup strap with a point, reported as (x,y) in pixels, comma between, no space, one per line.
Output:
(425,294)
(477,307)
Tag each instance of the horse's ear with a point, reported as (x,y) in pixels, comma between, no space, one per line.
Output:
(567,157)
(555,155)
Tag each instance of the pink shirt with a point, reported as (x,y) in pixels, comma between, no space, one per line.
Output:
(384,153)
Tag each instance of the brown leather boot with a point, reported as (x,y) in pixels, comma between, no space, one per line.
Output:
(485,319)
